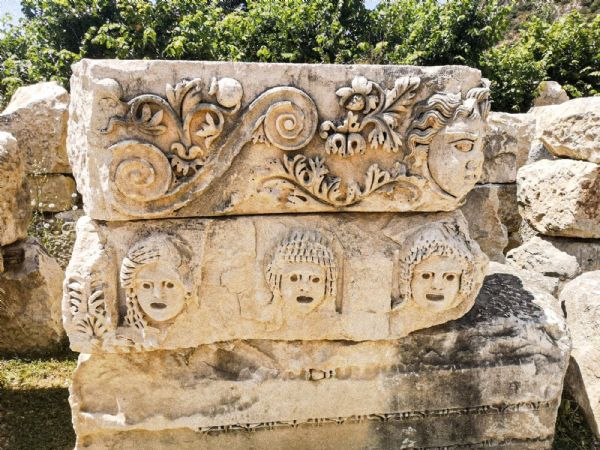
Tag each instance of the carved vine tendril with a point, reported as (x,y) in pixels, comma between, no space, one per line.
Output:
(313,176)
(368,105)
(198,123)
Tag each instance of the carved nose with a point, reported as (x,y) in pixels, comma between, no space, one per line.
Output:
(472,165)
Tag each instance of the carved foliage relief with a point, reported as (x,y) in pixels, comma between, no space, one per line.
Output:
(189,137)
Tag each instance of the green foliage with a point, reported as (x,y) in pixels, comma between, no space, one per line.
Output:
(567,51)
(56,33)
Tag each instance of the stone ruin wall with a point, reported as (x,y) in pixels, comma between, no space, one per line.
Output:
(175,160)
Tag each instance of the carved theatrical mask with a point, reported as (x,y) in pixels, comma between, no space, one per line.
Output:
(436,283)
(456,156)
(159,291)
(152,275)
(302,274)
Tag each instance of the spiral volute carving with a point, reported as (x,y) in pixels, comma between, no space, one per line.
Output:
(291,124)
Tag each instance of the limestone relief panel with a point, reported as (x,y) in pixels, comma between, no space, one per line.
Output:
(205,139)
(181,283)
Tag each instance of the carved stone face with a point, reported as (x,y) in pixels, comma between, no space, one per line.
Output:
(159,291)
(436,283)
(456,157)
(302,286)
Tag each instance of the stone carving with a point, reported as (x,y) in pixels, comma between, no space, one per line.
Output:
(368,105)
(410,141)
(303,273)
(90,315)
(445,140)
(438,270)
(156,291)
(335,276)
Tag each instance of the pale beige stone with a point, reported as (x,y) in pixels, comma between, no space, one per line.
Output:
(15,209)
(541,256)
(37,116)
(576,136)
(180,283)
(306,138)
(561,197)
(52,193)
(581,299)
(534,281)
(492,378)
(482,211)
(506,146)
(550,93)
(30,296)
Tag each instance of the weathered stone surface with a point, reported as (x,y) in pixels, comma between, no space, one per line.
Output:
(541,256)
(581,299)
(550,93)
(342,276)
(586,251)
(506,146)
(309,138)
(482,211)
(53,193)
(15,209)
(37,116)
(561,198)
(490,379)
(533,280)
(30,295)
(576,136)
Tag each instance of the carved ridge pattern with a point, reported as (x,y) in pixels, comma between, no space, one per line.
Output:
(313,176)
(385,417)
(89,311)
(369,105)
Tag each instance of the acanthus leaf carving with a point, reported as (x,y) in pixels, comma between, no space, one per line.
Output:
(89,312)
(368,105)
(313,176)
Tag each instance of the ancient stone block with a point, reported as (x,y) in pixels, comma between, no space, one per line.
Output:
(550,93)
(490,379)
(37,116)
(179,139)
(586,251)
(506,146)
(541,256)
(30,296)
(561,197)
(53,193)
(15,210)
(576,136)
(342,276)
(581,299)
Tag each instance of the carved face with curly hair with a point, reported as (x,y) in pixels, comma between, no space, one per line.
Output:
(302,272)
(154,286)
(450,130)
(438,271)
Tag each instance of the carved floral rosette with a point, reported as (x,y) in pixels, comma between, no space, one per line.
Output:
(396,145)
(180,283)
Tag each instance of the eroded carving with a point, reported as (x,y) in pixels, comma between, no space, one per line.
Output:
(445,140)
(438,269)
(90,315)
(370,107)
(302,274)
(156,285)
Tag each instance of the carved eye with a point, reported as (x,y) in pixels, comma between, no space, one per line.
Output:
(426,275)
(169,285)
(316,279)
(450,277)
(146,285)
(294,278)
(464,145)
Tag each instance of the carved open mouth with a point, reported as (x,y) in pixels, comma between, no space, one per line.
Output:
(435,297)
(158,305)
(303,299)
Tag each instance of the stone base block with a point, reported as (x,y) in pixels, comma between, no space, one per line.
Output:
(30,296)
(491,379)
(53,193)
(561,197)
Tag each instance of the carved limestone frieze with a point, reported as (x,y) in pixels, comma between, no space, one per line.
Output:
(180,283)
(206,139)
